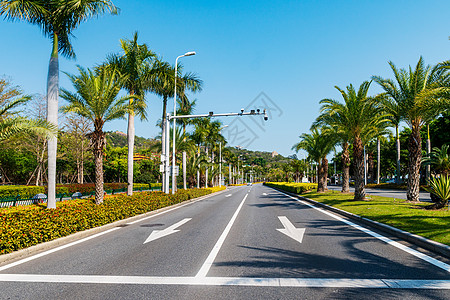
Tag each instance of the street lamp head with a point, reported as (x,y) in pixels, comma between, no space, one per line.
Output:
(189,53)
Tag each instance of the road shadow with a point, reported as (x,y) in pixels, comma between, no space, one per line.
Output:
(273,262)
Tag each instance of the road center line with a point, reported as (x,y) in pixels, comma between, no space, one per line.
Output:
(416,253)
(212,255)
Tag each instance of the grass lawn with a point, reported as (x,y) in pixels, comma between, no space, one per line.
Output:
(411,217)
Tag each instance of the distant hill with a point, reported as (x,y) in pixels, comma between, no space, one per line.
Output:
(261,158)
(119,139)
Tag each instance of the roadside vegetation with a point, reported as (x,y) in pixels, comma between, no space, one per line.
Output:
(25,226)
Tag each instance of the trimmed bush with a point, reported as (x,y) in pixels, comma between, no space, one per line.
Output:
(22,227)
(25,191)
(297,188)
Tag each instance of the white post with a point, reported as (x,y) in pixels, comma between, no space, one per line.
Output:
(167,170)
(174,178)
(220,165)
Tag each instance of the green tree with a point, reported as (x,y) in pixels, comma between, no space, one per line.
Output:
(142,68)
(439,159)
(318,146)
(57,20)
(359,118)
(96,99)
(407,90)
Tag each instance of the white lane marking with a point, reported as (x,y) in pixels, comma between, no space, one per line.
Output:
(229,195)
(91,237)
(56,249)
(264,194)
(290,230)
(212,255)
(416,253)
(232,281)
(156,234)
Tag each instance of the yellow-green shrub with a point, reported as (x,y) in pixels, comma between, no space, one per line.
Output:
(28,226)
(25,191)
(297,188)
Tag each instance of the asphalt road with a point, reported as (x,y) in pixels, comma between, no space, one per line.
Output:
(246,242)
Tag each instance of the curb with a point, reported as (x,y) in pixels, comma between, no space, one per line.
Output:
(6,258)
(420,241)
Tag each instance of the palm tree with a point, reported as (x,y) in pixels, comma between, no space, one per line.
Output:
(359,119)
(96,99)
(142,69)
(406,90)
(392,107)
(12,124)
(57,20)
(185,108)
(318,146)
(165,85)
(439,159)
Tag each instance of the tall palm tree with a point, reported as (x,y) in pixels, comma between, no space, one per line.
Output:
(96,99)
(141,66)
(407,89)
(165,85)
(11,125)
(318,146)
(57,20)
(185,108)
(392,106)
(360,118)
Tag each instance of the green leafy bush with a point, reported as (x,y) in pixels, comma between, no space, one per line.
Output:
(22,227)
(297,188)
(25,191)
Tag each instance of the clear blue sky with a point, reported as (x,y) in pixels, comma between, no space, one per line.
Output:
(294,52)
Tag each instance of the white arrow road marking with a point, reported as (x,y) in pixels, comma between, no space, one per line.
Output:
(228,195)
(156,234)
(290,230)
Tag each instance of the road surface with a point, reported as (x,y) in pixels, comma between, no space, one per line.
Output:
(246,242)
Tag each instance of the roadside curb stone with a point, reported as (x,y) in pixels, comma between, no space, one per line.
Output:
(7,258)
(420,241)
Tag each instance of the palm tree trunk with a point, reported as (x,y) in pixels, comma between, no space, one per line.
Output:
(345,169)
(360,193)
(99,192)
(398,156)
(414,160)
(320,188)
(98,142)
(130,140)
(428,167)
(325,174)
(52,117)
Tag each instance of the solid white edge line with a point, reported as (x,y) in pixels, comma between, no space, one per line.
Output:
(55,249)
(92,236)
(212,255)
(232,281)
(387,240)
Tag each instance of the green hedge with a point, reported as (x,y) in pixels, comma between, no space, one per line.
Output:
(392,186)
(22,227)
(297,188)
(25,191)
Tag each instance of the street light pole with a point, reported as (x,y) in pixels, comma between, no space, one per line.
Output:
(174,178)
